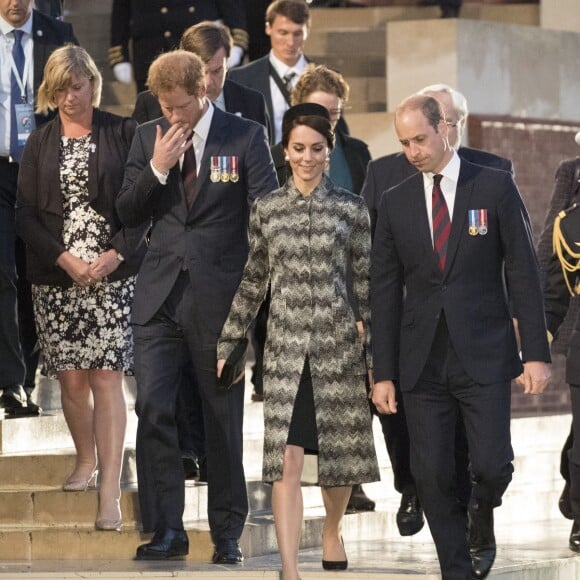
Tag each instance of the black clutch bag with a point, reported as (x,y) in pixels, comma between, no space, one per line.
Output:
(235,364)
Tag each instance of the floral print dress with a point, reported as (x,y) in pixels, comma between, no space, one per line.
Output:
(83,328)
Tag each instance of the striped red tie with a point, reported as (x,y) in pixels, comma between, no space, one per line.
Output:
(441,222)
(189,175)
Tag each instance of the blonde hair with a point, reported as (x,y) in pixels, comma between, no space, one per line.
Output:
(60,67)
(319,78)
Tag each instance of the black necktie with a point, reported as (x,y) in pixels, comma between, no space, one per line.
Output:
(189,175)
(16,93)
(441,222)
(288,80)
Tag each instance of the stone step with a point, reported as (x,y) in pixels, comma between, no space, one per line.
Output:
(525,552)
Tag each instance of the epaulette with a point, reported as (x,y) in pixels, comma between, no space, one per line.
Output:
(116,55)
(566,245)
(240,37)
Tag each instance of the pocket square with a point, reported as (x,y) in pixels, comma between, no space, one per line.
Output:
(235,364)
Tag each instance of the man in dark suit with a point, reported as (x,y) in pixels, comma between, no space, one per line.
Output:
(445,239)
(212,43)
(39,36)
(156,26)
(274,75)
(197,251)
(382,174)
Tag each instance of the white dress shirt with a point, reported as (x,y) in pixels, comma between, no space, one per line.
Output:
(279,103)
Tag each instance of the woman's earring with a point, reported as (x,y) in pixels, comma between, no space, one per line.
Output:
(327,158)
(286,158)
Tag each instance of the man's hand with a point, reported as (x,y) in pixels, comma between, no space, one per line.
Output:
(383,397)
(535,377)
(170,147)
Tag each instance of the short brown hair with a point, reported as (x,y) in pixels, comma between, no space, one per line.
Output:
(319,78)
(61,65)
(178,68)
(295,10)
(205,39)
(429,106)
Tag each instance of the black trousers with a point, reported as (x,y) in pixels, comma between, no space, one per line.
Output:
(396,435)
(162,347)
(12,363)
(444,393)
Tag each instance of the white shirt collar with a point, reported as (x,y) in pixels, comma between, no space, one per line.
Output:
(450,171)
(283,69)
(203,125)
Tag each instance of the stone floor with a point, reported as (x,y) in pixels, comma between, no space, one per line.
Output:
(531,551)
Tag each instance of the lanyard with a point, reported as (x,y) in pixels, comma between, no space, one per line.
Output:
(22,81)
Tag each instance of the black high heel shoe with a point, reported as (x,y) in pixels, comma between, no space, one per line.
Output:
(335,564)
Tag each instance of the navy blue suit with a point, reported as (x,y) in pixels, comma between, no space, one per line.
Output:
(382,174)
(448,338)
(183,294)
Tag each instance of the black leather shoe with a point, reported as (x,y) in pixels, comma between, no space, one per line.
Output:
(359,501)
(564,502)
(410,518)
(575,537)
(190,464)
(227,552)
(166,544)
(14,402)
(481,538)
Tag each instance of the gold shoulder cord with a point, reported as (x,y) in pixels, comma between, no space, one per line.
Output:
(569,257)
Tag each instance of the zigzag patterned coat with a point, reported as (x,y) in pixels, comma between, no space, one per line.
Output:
(302,245)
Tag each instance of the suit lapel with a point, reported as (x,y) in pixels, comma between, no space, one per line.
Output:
(215,140)
(416,205)
(462,198)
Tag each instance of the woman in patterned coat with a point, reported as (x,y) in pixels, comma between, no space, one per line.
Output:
(301,238)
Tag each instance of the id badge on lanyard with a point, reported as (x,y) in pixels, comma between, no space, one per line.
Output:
(25,121)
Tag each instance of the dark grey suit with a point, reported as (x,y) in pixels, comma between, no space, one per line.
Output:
(183,293)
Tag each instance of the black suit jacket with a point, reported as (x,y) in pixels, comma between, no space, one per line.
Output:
(256,75)
(239,100)
(409,292)
(211,238)
(48,34)
(39,209)
(388,171)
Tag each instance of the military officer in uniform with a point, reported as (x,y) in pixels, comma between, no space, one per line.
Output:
(156,26)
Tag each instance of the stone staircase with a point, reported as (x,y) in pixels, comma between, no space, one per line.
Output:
(39,522)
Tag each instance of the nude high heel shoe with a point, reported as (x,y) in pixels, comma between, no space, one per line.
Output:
(81,484)
(109,524)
